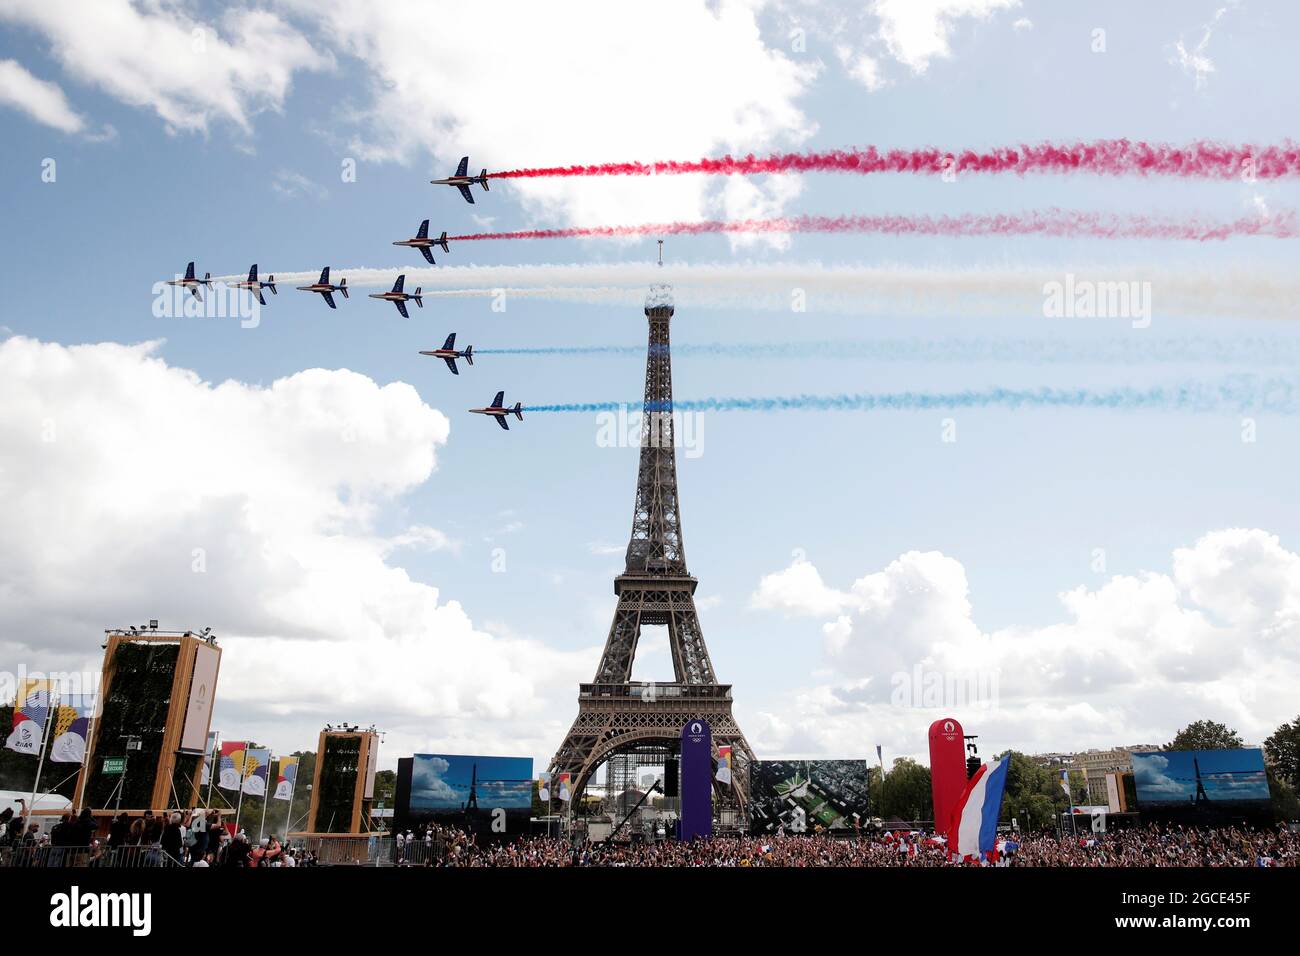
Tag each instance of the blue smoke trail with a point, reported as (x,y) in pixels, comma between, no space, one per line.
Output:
(1240,393)
(1265,350)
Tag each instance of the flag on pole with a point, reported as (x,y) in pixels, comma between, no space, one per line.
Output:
(1065,784)
(230,770)
(544,787)
(724,765)
(284,781)
(71,728)
(566,787)
(31,708)
(207,759)
(256,765)
(974,828)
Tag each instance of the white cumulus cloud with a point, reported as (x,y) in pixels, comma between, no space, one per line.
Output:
(1132,659)
(134,489)
(597,82)
(163,56)
(799,589)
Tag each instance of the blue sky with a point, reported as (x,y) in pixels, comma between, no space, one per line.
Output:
(361,580)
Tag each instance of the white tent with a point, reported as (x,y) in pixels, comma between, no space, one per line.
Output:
(44,801)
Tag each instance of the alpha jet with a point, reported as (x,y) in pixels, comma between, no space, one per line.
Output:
(255,286)
(191,283)
(424,243)
(463,181)
(400,298)
(325,289)
(449,354)
(499,411)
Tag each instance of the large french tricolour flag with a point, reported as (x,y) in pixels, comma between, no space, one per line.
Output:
(975,818)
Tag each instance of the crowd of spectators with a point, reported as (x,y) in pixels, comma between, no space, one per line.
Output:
(193,838)
(199,838)
(1146,846)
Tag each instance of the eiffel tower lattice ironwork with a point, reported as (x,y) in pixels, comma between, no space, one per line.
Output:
(616,714)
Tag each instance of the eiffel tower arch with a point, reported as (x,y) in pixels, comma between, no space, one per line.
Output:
(619,716)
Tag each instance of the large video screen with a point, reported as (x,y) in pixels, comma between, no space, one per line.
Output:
(490,796)
(803,796)
(1202,785)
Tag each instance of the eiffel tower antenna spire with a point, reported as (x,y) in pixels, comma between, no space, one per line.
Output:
(616,715)
(661,253)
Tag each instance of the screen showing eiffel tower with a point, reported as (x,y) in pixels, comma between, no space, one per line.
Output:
(466,791)
(618,717)
(1203,786)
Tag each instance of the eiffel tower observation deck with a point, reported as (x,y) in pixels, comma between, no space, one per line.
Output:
(616,715)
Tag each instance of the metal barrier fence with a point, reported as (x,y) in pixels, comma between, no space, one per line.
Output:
(371,850)
(419,853)
(366,850)
(86,856)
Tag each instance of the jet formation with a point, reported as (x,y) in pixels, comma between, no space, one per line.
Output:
(421,241)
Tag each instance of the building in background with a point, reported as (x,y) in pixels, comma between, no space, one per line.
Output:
(1096,764)
(1053,761)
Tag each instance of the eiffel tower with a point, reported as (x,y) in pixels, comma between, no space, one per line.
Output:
(617,716)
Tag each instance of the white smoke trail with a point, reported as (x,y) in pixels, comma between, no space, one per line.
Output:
(1248,292)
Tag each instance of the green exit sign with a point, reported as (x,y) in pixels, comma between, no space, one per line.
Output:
(114,765)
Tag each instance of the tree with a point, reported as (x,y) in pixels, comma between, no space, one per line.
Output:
(1205,735)
(385,790)
(385,787)
(875,791)
(18,771)
(1282,750)
(1286,806)
(1033,794)
(905,792)
(301,802)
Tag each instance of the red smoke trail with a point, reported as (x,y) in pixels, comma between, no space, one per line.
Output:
(1052,222)
(1107,157)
